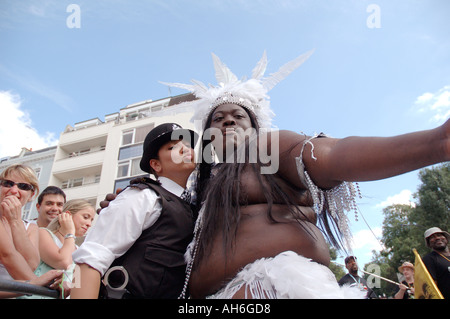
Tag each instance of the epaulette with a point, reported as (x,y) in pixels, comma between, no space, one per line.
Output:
(143,182)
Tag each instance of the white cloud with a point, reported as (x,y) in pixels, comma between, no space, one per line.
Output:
(437,103)
(367,241)
(424,98)
(403,198)
(16,128)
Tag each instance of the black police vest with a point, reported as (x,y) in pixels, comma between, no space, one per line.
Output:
(155,262)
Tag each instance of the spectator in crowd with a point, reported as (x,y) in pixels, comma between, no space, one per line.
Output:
(19,239)
(353,279)
(18,185)
(406,287)
(146,229)
(438,260)
(57,241)
(49,205)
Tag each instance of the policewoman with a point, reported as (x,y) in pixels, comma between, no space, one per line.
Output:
(136,247)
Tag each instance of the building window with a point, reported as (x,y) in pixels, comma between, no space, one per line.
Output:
(37,170)
(74,182)
(127,137)
(122,169)
(136,135)
(141,133)
(135,167)
(130,151)
(129,168)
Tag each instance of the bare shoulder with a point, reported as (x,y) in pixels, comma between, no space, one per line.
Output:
(313,151)
(290,140)
(44,233)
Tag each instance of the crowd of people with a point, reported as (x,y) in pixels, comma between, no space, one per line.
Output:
(250,220)
(40,251)
(436,262)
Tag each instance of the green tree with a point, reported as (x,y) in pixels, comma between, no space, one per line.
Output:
(398,241)
(397,234)
(433,208)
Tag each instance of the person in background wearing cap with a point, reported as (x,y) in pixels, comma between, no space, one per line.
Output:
(438,261)
(144,232)
(353,280)
(406,288)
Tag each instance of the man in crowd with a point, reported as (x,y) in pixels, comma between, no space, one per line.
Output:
(406,287)
(438,260)
(49,205)
(352,278)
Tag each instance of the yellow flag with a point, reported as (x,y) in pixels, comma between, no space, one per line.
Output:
(424,285)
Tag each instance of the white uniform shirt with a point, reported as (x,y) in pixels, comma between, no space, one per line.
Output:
(120,224)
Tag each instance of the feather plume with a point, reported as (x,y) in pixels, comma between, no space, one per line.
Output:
(223,73)
(285,70)
(250,93)
(200,86)
(260,68)
(188,87)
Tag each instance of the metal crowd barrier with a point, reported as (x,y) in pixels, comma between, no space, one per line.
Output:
(27,289)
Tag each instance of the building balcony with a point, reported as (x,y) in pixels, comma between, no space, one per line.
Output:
(86,191)
(77,164)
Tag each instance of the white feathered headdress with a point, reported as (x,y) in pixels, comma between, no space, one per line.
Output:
(249,93)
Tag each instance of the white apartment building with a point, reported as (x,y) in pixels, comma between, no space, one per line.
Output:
(94,157)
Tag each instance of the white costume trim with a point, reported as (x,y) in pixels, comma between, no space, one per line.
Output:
(287,276)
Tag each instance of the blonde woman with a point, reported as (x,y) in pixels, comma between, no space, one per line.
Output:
(57,241)
(19,252)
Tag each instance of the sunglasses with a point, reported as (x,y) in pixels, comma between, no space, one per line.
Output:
(22,186)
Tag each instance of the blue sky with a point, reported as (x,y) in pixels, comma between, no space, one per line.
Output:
(385,80)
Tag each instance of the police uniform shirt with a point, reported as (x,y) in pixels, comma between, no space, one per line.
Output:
(120,224)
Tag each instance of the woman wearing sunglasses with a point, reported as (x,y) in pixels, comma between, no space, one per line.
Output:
(19,254)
